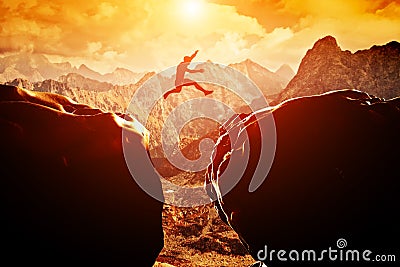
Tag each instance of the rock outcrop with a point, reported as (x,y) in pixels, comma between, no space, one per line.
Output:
(326,67)
(335,175)
(68,197)
(107,97)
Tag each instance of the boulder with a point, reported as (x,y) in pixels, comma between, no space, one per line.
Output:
(335,175)
(68,197)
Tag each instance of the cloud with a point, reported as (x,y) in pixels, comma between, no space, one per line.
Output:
(357,24)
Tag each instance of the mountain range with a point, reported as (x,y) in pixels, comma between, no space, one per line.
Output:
(87,86)
(37,68)
(270,83)
(116,98)
(326,67)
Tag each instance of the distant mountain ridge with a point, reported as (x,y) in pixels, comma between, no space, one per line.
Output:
(105,96)
(270,83)
(33,67)
(285,71)
(37,68)
(75,80)
(119,76)
(326,67)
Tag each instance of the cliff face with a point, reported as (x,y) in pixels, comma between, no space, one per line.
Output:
(326,67)
(334,166)
(67,192)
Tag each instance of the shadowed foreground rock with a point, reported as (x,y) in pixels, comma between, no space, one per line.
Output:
(67,195)
(335,175)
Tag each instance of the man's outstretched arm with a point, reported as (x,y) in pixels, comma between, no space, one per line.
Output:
(194,54)
(194,70)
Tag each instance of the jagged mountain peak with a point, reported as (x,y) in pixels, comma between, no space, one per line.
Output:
(71,75)
(394,44)
(84,67)
(121,69)
(326,67)
(248,64)
(248,61)
(328,42)
(89,73)
(285,71)
(269,82)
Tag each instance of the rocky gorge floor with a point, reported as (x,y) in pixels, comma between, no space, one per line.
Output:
(196,236)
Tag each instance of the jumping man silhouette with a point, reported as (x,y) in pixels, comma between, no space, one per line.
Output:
(180,79)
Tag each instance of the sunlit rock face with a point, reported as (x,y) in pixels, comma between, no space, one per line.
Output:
(68,197)
(335,175)
(326,67)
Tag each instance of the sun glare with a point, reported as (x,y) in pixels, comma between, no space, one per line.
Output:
(192,8)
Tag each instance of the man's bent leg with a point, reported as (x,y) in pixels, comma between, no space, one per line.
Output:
(175,90)
(188,82)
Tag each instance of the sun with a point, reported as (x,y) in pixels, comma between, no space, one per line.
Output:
(192,8)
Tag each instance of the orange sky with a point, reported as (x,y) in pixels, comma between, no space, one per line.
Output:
(155,34)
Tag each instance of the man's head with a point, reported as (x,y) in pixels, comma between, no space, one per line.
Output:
(187,59)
